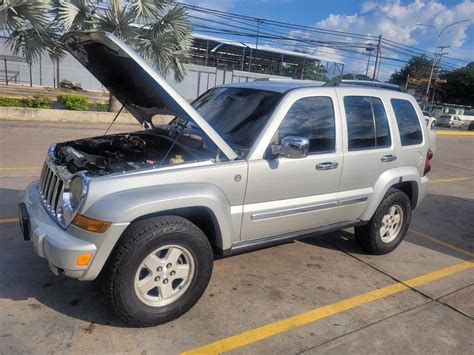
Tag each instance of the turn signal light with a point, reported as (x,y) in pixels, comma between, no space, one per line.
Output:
(83,259)
(90,225)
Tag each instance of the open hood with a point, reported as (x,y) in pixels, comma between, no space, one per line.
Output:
(133,82)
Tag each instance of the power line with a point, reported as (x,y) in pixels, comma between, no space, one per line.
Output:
(247,26)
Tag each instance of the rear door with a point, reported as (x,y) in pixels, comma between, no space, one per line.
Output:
(288,195)
(369,149)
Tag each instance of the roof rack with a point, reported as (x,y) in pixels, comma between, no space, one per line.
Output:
(372,84)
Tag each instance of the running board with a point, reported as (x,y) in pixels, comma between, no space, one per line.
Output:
(259,243)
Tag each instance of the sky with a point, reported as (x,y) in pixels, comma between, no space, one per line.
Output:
(395,19)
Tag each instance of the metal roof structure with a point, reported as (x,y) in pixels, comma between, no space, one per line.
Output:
(230,54)
(198,36)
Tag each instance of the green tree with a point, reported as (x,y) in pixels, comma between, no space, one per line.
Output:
(459,86)
(29,29)
(158,29)
(417,67)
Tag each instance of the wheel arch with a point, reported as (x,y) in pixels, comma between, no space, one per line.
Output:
(411,189)
(203,217)
(406,179)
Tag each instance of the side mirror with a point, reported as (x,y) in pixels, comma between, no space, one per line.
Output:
(292,147)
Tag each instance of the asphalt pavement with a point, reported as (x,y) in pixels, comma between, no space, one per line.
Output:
(318,295)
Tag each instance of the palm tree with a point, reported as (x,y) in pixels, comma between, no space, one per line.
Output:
(29,29)
(158,29)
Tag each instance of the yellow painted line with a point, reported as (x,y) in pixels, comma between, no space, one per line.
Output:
(22,168)
(451,179)
(271,329)
(455,133)
(437,241)
(8,220)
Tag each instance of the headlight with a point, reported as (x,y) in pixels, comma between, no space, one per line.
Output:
(74,194)
(76,191)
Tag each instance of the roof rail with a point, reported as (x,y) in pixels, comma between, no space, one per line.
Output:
(372,84)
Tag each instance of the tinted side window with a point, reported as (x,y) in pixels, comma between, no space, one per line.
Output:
(407,121)
(312,118)
(367,123)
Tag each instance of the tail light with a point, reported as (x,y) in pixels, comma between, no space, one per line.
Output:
(429,156)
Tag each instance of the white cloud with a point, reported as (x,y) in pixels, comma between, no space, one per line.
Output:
(398,21)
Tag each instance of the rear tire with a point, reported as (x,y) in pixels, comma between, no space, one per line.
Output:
(388,226)
(159,270)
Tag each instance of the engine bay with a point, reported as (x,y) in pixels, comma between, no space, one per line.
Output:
(129,151)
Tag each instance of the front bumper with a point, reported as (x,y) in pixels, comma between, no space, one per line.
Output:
(51,241)
(60,246)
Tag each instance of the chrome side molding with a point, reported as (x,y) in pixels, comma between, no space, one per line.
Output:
(305,209)
(291,211)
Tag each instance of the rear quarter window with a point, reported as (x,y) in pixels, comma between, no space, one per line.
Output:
(407,121)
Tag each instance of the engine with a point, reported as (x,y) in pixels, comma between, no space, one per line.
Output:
(122,152)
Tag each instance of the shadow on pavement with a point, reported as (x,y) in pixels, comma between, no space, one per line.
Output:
(25,276)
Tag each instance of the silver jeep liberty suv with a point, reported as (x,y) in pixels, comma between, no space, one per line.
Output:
(244,166)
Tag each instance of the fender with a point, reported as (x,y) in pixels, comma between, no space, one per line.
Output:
(126,206)
(384,182)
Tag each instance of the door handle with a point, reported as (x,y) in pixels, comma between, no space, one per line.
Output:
(388,158)
(327,165)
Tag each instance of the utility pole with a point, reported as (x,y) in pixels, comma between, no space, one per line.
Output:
(259,21)
(439,33)
(437,67)
(377,58)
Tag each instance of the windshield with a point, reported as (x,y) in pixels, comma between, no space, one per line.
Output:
(237,114)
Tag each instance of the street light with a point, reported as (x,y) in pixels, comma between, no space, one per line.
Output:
(439,33)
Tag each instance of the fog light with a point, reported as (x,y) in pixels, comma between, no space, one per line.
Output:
(83,259)
(90,225)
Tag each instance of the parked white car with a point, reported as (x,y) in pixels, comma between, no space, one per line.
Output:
(429,119)
(450,121)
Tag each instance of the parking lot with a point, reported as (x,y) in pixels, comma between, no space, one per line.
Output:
(318,295)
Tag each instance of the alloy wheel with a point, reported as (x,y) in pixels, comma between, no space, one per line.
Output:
(392,223)
(164,275)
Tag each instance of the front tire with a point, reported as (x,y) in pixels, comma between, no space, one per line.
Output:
(159,270)
(388,226)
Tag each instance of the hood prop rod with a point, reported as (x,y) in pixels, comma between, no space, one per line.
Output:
(115,118)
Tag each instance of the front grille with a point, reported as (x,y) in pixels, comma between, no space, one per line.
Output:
(51,189)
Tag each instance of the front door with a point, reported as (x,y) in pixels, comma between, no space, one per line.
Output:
(286,195)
